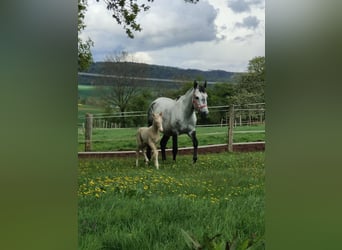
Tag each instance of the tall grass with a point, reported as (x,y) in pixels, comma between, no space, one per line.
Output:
(124,207)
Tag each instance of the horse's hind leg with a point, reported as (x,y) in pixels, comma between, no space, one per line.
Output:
(148,152)
(149,123)
(163,143)
(174,146)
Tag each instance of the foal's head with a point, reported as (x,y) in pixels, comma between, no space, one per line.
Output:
(199,99)
(158,121)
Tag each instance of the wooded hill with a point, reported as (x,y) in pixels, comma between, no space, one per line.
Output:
(143,70)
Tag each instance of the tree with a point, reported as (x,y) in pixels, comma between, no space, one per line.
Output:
(140,103)
(251,85)
(251,88)
(85,57)
(125,13)
(124,88)
(220,94)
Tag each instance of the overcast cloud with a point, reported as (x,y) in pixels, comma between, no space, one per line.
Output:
(239,6)
(209,35)
(250,22)
(175,24)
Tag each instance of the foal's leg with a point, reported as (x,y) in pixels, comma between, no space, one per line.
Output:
(155,154)
(174,146)
(195,144)
(137,159)
(163,143)
(139,144)
(146,159)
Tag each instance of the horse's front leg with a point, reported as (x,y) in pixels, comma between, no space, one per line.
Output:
(195,144)
(174,146)
(163,143)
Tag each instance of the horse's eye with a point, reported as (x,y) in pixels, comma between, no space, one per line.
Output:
(196,97)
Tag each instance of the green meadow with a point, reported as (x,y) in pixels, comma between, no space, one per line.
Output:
(219,200)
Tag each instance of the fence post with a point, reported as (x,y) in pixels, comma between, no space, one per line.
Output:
(88,131)
(230,128)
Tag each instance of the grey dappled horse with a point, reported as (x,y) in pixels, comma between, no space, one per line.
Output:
(179,117)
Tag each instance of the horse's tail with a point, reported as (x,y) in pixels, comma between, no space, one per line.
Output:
(149,114)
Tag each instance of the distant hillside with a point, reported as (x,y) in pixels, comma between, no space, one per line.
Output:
(142,70)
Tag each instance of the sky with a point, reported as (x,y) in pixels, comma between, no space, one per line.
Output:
(209,35)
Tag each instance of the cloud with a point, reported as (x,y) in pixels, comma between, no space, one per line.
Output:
(175,23)
(243,38)
(250,22)
(239,6)
(206,35)
(166,24)
(228,55)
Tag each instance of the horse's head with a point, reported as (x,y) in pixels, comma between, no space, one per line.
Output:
(199,99)
(158,121)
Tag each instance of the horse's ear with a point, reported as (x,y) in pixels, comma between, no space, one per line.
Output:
(205,84)
(195,84)
(161,113)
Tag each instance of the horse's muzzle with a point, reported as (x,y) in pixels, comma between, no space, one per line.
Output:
(204,112)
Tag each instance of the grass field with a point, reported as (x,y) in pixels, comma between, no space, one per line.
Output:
(125,207)
(124,138)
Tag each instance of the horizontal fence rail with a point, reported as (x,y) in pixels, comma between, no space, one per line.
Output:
(218,148)
(252,112)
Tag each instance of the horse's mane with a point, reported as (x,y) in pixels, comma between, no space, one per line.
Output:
(181,97)
(200,88)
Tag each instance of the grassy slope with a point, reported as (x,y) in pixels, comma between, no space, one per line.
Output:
(124,207)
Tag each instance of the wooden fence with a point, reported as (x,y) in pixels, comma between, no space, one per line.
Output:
(234,116)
